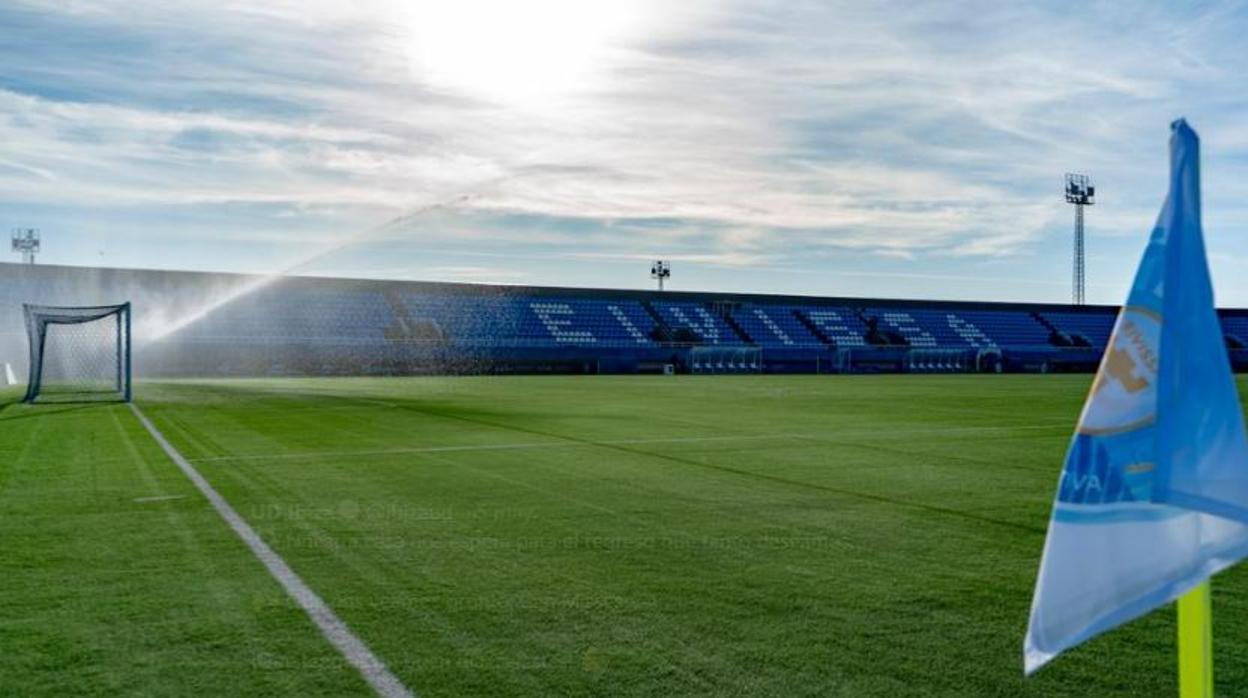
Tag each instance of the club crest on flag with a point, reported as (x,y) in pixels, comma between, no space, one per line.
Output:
(1124,394)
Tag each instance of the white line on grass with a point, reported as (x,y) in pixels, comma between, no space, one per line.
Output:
(350,646)
(162,498)
(827,436)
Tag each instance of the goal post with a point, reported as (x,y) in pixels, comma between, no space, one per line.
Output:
(78,354)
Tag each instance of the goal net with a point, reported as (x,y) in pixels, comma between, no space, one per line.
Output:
(78,354)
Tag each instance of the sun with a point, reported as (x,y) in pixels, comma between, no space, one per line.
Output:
(520,52)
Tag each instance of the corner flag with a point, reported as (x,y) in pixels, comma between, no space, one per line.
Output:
(1153,499)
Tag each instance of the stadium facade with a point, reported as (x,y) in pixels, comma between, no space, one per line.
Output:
(329,326)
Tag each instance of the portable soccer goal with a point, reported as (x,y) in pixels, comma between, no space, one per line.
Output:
(78,354)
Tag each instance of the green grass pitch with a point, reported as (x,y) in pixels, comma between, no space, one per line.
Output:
(753,535)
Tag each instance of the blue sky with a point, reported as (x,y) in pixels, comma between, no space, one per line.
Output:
(893,149)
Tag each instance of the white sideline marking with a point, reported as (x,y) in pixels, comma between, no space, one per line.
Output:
(830,436)
(351,647)
(163,498)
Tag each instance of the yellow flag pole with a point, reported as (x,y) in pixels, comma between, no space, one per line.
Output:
(1196,643)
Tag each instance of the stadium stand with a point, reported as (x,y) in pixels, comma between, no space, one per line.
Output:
(301,325)
(705,326)
(338,318)
(998,329)
(1236,329)
(905,324)
(840,327)
(1091,327)
(775,326)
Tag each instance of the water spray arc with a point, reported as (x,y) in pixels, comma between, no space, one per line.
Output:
(257,283)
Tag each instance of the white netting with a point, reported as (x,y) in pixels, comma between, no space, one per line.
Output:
(78,354)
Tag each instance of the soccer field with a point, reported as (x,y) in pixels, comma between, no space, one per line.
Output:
(753,535)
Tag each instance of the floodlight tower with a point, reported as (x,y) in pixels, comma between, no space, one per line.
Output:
(1080,192)
(26,241)
(660,269)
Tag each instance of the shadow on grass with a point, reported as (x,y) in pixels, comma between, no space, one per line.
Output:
(430,410)
(8,398)
(45,409)
(267,392)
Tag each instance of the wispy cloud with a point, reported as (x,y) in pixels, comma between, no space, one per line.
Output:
(725,135)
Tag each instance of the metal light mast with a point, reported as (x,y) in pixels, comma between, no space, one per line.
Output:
(1080,192)
(660,269)
(26,241)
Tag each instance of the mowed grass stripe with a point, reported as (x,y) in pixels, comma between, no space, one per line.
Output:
(739,471)
(104,595)
(959,433)
(373,670)
(584,570)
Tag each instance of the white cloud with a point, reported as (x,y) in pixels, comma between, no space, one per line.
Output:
(775,130)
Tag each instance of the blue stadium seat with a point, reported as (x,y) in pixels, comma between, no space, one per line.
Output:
(998,328)
(534,321)
(699,319)
(840,325)
(774,326)
(1236,326)
(960,329)
(921,331)
(592,321)
(277,316)
(1093,326)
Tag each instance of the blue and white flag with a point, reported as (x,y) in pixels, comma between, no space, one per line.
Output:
(1153,498)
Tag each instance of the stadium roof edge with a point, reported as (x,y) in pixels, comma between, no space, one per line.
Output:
(512,289)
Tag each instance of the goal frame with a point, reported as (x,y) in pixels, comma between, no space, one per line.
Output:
(40,317)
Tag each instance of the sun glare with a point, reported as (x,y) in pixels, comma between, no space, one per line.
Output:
(521,53)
